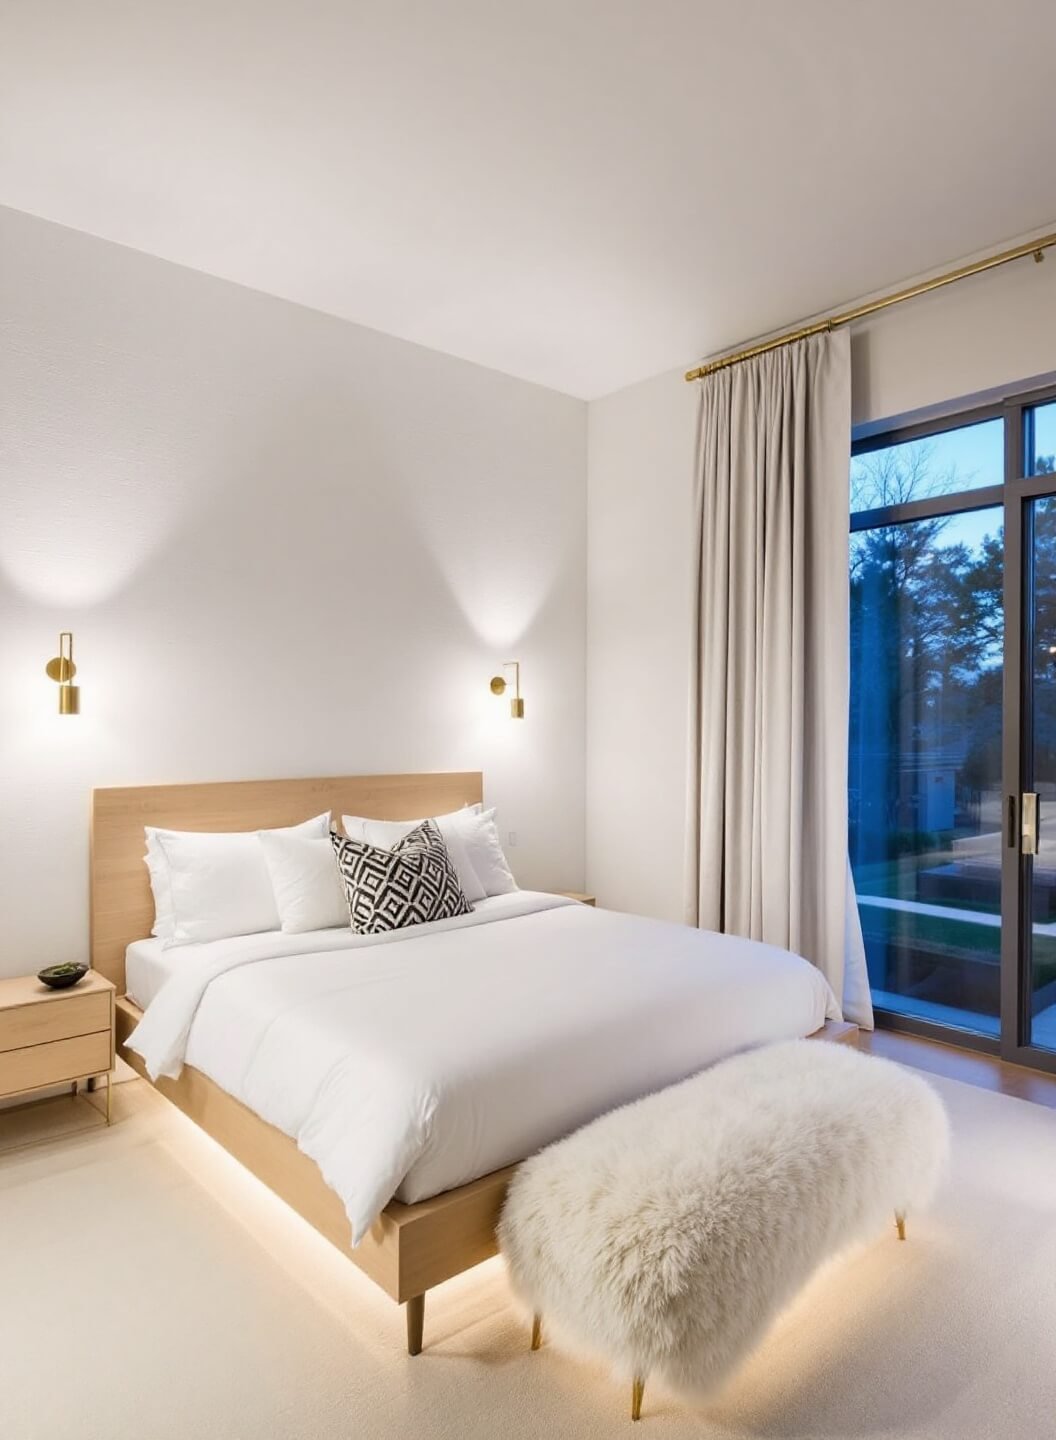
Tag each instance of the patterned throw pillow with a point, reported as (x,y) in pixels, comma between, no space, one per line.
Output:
(413,882)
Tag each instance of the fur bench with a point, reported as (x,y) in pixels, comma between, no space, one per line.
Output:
(667,1235)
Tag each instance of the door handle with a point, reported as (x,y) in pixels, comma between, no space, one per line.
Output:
(1029,832)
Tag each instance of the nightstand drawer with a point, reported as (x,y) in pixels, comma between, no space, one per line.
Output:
(41,1065)
(54,1019)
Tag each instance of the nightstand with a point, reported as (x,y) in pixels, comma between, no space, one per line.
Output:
(51,1037)
(578,895)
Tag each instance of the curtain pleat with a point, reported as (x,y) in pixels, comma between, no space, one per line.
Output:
(767,802)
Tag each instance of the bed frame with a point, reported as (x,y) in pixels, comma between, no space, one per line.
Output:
(410,1248)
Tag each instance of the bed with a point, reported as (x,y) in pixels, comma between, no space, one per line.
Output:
(386,1088)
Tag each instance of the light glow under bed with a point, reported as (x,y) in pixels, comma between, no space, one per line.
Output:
(411,1063)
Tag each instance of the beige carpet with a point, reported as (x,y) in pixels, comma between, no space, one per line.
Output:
(149,1288)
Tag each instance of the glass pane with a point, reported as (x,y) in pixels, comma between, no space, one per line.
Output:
(1042,752)
(945,464)
(1041,440)
(925,764)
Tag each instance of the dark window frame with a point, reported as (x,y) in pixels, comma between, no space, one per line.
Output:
(1014,493)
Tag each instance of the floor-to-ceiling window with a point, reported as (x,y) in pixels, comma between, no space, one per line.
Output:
(944,701)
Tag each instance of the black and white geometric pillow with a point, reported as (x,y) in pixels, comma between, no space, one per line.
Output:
(410,884)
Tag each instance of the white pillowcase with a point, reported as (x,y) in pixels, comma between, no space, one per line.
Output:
(487,856)
(209,886)
(472,840)
(158,870)
(387,833)
(305,877)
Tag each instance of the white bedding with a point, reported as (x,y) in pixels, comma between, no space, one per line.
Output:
(147,966)
(409,1063)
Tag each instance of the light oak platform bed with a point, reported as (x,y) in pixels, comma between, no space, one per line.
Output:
(409,1247)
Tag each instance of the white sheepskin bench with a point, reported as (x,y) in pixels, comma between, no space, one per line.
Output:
(667,1235)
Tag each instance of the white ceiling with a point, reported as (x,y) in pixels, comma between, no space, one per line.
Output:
(578,192)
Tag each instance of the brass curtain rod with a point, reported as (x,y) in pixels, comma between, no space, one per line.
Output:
(1031,247)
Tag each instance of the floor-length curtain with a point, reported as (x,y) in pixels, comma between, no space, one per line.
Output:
(767,821)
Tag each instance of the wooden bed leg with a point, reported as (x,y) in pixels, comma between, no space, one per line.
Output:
(415,1324)
(537,1331)
(637,1392)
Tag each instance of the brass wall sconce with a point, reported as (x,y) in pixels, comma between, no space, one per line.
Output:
(499,684)
(62,670)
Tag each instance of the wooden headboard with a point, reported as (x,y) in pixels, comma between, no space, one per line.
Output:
(121,907)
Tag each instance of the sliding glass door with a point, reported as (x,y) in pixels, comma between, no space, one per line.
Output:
(925,735)
(953,723)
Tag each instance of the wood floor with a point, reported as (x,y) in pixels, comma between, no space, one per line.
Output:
(985,1071)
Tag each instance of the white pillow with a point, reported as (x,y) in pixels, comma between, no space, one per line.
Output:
(305,877)
(386,833)
(158,870)
(472,840)
(486,855)
(208,886)
(391,832)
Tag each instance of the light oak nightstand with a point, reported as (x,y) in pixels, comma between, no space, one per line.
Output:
(51,1037)
(578,895)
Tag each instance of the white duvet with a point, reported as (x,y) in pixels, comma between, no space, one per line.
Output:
(410,1063)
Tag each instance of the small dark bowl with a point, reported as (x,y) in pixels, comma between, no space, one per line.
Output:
(61,977)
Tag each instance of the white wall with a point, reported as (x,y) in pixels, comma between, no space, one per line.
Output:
(640,471)
(286,546)
(989,333)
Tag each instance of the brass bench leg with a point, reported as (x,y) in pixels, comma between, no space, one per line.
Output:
(637,1391)
(900,1223)
(537,1331)
(415,1324)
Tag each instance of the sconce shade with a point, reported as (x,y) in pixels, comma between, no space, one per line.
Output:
(69,699)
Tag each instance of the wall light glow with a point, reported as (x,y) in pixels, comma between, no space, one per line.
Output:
(71,538)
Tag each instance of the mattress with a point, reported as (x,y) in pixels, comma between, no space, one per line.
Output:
(147,967)
(408,1064)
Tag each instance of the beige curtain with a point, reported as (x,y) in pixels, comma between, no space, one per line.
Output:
(767,824)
